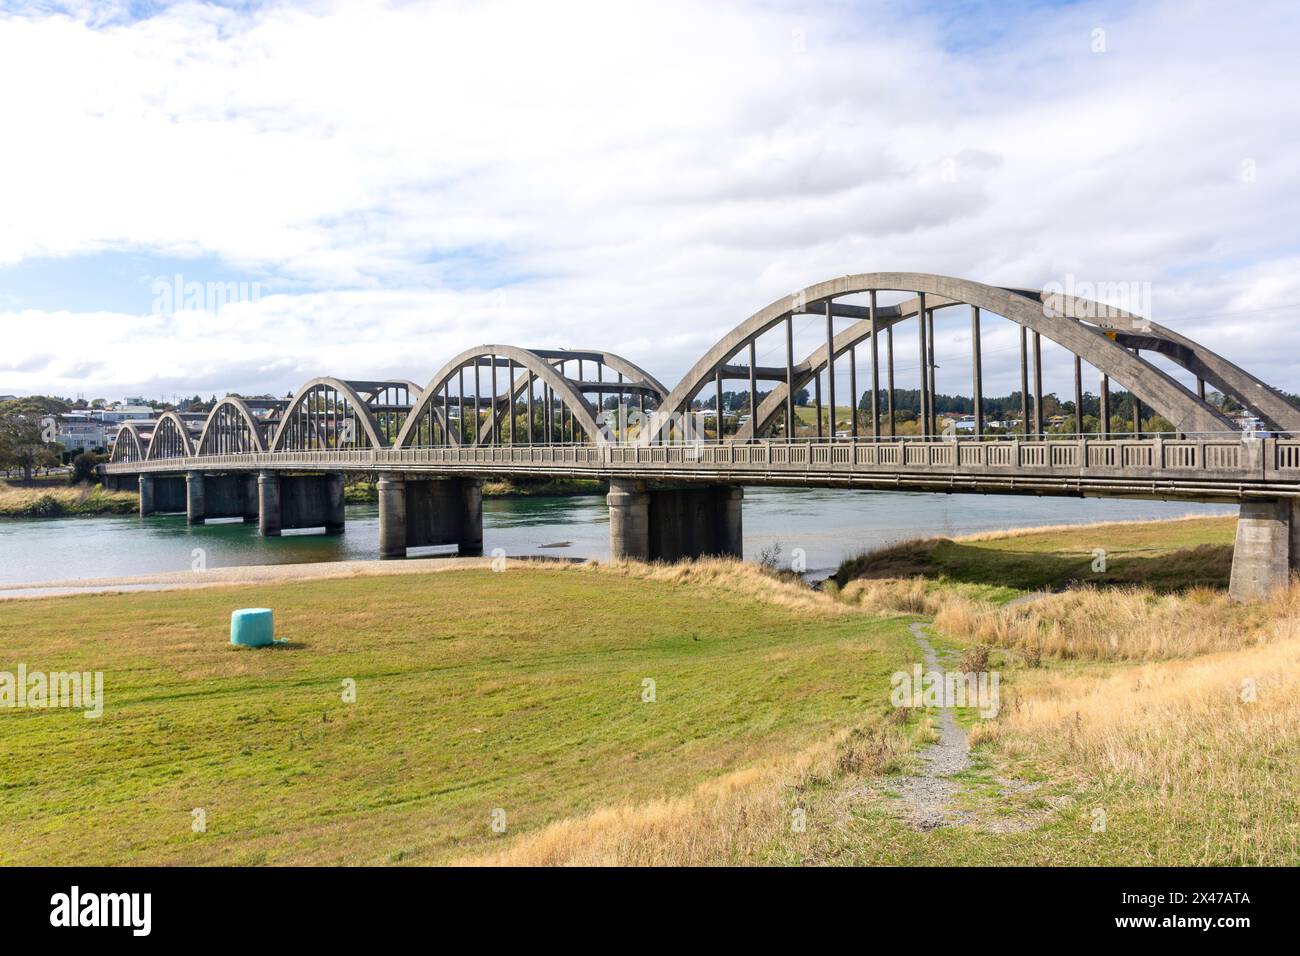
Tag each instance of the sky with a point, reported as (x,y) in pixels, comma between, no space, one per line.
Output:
(383,185)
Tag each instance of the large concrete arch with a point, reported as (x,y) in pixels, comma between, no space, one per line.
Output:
(361,409)
(230,409)
(528,360)
(1264,401)
(814,363)
(1168,397)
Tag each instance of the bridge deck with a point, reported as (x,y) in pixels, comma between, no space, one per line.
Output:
(1226,469)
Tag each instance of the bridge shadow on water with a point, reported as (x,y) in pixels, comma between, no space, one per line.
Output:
(1001,563)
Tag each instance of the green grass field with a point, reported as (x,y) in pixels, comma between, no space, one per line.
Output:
(474,691)
(522,692)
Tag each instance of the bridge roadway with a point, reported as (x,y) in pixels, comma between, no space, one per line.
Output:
(670,501)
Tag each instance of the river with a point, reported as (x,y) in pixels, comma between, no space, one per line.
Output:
(827,525)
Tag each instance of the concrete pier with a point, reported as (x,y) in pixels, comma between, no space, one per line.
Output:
(672,524)
(300,501)
(392,517)
(146,495)
(163,494)
(268,503)
(420,512)
(629,520)
(195,512)
(1265,551)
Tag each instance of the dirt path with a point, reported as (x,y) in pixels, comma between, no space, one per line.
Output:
(928,796)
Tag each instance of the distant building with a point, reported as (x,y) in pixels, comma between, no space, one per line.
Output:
(84,429)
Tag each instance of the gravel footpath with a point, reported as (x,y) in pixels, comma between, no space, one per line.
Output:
(928,795)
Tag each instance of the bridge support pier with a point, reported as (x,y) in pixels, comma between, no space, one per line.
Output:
(195,512)
(268,503)
(146,496)
(415,513)
(1267,548)
(299,501)
(163,494)
(672,524)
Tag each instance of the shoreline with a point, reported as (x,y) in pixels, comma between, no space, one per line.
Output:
(236,575)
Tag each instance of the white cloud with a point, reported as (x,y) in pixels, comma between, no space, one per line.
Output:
(639,176)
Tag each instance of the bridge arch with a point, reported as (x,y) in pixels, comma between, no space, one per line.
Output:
(1189,413)
(330,413)
(170,439)
(129,445)
(432,420)
(232,429)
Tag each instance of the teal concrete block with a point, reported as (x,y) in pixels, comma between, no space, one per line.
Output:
(252,627)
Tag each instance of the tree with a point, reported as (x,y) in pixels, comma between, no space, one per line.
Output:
(22,444)
(83,467)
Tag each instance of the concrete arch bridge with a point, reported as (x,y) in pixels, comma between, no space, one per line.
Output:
(677,459)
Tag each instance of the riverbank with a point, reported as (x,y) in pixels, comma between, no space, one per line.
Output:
(50,500)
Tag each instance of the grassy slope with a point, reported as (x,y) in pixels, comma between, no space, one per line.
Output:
(1184,770)
(53,501)
(1167,555)
(475,691)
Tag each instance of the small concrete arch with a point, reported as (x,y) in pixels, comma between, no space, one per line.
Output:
(129,445)
(535,365)
(632,380)
(327,412)
(171,438)
(231,429)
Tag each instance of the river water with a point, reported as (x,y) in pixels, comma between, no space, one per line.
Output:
(828,525)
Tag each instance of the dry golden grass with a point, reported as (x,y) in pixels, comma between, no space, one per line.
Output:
(1187,735)
(1121,623)
(727,821)
(736,578)
(893,596)
(55,500)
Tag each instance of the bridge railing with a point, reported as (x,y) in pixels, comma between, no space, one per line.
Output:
(1222,459)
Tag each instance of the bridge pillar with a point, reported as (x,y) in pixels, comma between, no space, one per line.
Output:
(418,512)
(1263,555)
(672,524)
(629,520)
(194,513)
(146,495)
(268,503)
(310,501)
(392,517)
